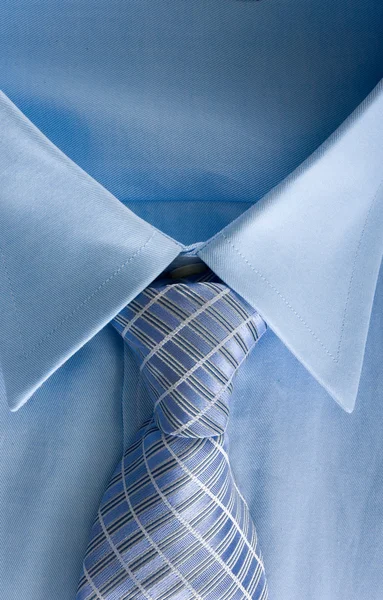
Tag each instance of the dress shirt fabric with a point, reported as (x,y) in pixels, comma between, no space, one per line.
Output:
(161,151)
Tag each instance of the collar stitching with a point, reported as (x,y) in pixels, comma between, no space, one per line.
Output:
(107,280)
(354,264)
(334,358)
(13,301)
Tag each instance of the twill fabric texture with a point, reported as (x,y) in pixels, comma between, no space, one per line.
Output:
(172,523)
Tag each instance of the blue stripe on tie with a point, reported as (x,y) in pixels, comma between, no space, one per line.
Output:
(172,524)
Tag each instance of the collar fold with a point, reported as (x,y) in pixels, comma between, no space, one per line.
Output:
(306,256)
(71,256)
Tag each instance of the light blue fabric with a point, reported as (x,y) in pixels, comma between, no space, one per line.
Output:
(193,114)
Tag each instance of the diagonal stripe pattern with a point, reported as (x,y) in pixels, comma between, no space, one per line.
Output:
(172,524)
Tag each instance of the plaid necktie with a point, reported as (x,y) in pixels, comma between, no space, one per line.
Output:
(172,523)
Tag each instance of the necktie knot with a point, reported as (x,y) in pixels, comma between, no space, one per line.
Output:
(190,339)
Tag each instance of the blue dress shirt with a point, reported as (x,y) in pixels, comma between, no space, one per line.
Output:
(248,135)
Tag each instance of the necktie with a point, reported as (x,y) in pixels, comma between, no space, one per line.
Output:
(172,524)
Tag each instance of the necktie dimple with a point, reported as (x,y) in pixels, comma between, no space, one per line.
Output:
(172,524)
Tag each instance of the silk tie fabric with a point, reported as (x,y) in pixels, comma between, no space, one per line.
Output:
(172,524)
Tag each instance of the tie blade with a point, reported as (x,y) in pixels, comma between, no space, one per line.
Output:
(173,525)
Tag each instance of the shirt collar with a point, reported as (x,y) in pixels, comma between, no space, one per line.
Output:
(306,256)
